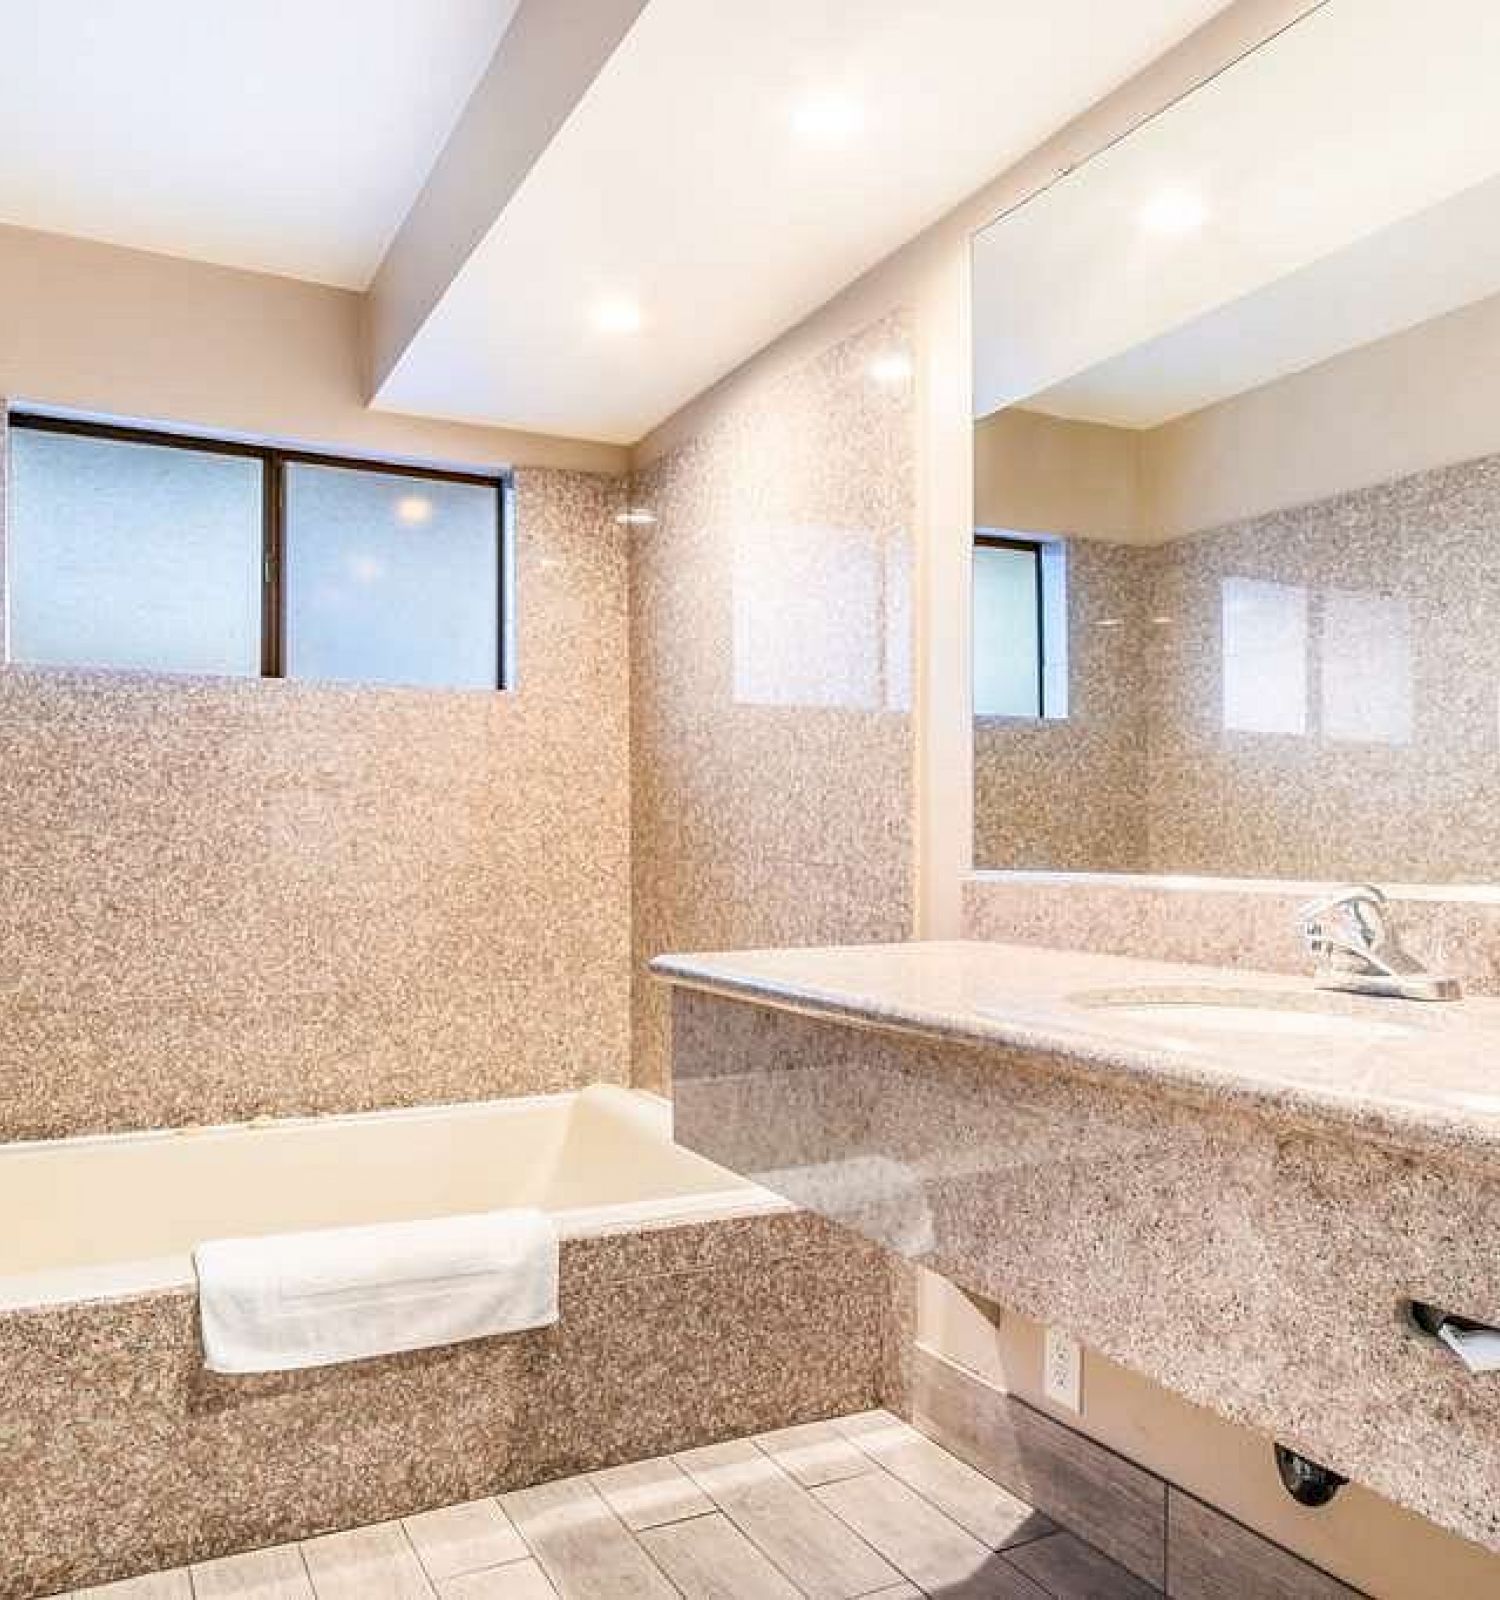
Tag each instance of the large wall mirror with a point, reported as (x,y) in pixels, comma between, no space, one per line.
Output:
(1237,462)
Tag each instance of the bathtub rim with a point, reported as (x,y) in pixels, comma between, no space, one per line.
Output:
(103,1282)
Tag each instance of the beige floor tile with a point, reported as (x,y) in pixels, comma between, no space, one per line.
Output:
(464,1538)
(376,1563)
(814,1452)
(708,1558)
(927,1547)
(276,1574)
(155,1586)
(993,1515)
(1069,1569)
(518,1580)
(648,1493)
(807,1542)
(583,1547)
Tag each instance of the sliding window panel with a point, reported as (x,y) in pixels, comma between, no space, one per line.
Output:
(391,579)
(129,554)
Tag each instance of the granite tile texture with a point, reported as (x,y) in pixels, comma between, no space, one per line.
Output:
(1363,744)
(1071,791)
(119,1453)
(771,632)
(1220,922)
(1208,1240)
(227,898)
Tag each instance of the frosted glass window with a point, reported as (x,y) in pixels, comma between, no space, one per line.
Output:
(1264,637)
(126,554)
(391,578)
(1007,631)
(1366,667)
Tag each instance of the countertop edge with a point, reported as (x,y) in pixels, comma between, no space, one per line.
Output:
(1393,1125)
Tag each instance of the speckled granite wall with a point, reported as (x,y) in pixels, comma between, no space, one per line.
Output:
(1073,789)
(231,897)
(1384,763)
(772,748)
(120,1454)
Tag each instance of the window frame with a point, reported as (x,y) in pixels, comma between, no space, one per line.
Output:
(275,460)
(985,539)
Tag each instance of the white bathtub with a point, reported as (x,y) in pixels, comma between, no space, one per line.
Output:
(116,1215)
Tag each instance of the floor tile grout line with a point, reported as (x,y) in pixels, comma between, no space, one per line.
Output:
(1053,1525)
(416,1556)
(720,1509)
(312,1588)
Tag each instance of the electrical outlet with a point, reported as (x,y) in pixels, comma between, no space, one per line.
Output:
(1062,1370)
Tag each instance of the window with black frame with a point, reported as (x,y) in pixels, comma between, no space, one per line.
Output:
(129,548)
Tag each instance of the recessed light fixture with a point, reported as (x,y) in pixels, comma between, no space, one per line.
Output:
(617,314)
(892,369)
(829,118)
(636,517)
(1173,211)
(413,510)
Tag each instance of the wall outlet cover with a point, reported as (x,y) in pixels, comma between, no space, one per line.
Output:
(1062,1370)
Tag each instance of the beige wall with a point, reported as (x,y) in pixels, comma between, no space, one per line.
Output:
(1388,1552)
(94,328)
(772,743)
(1424,398)
(1041,474)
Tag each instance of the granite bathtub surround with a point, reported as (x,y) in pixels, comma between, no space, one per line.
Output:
(120,1454)
(1239,1221)
(227,898)
(1365,622)
(771,634)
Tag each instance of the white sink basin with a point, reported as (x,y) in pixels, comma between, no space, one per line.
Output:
(1252,1012)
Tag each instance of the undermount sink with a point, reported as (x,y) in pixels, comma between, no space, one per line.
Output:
(1259,1012)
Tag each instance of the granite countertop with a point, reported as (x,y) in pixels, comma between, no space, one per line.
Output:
(1421,1076)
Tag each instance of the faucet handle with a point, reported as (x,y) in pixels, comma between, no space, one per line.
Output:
(1361,908)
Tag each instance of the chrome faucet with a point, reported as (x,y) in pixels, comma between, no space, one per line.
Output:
(1358,950)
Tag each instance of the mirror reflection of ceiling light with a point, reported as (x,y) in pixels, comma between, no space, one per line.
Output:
(617,315)
(636,517)
(891,369)
(1173,211)
(829,119)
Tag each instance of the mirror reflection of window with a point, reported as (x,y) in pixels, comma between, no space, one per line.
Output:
(1020,627)
(1264,635)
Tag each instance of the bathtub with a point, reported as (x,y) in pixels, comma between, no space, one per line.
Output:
(119,1214)
(695,1306)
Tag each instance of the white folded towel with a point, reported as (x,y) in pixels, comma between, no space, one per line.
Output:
(293,1300)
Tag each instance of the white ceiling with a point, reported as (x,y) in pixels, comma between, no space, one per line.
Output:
(287,136)
(1346,196)
(680,181)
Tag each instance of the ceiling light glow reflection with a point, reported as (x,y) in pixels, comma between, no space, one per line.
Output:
(617,314)
(1173,211)
(829,119)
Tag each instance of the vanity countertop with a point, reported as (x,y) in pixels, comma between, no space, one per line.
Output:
(1423,1076)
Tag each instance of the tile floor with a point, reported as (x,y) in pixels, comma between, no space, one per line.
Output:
(861,1506)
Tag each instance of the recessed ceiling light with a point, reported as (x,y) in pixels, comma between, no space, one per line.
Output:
(1173,211)
(636,517)
(892,369)
(829,119)
(617,315)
